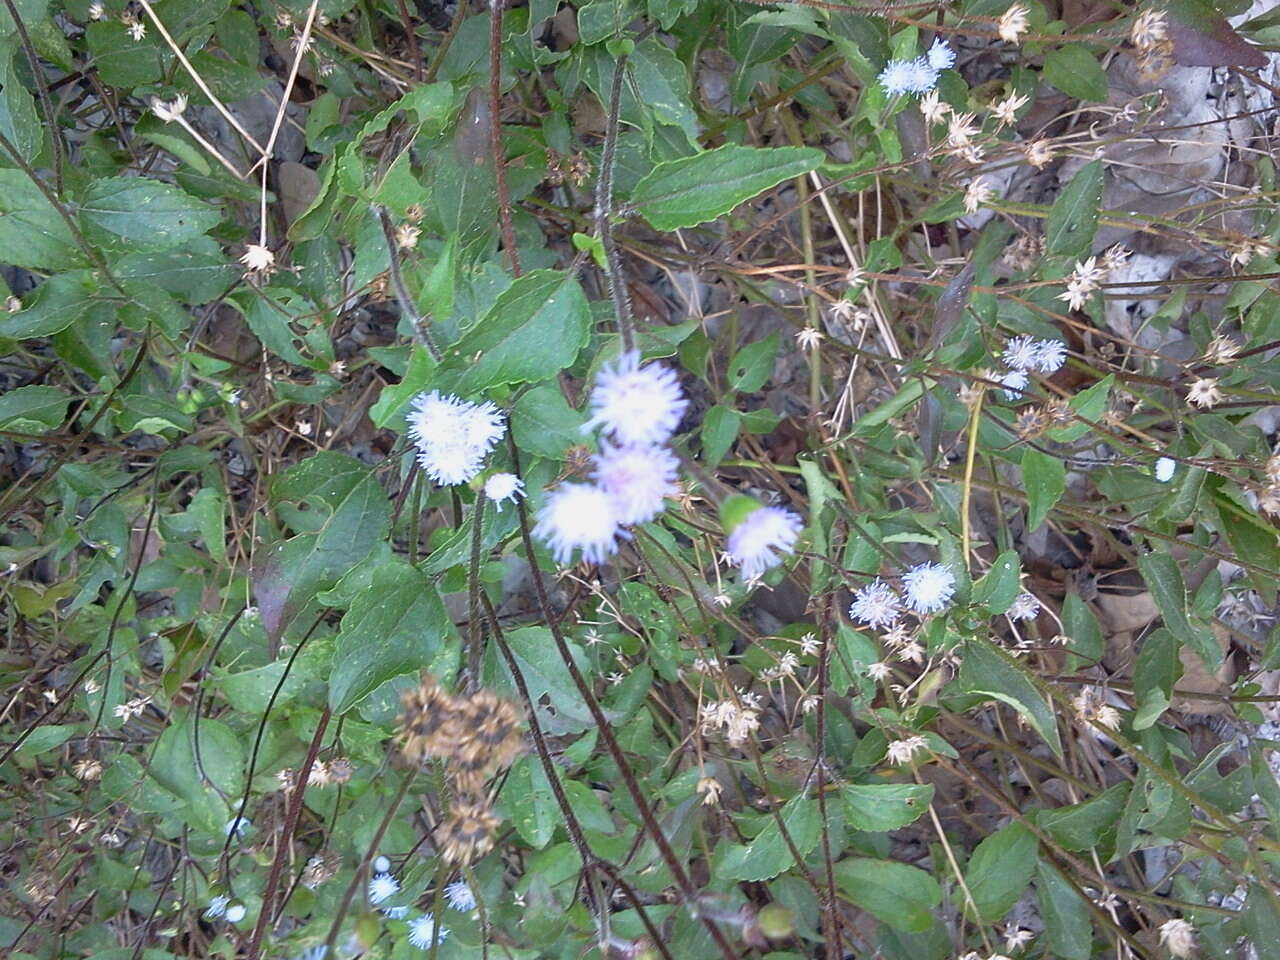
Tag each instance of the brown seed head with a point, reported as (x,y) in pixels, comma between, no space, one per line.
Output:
(467,833)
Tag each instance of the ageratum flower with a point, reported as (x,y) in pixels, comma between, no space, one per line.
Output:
(760,540)
(637,479)
(941,56)
(877,605)
(898,77)
(503,487)
(929,587)
(382,886)
(453,436)
(423,932)
(579,516)
(1050,355)
(637,406)
(460,896)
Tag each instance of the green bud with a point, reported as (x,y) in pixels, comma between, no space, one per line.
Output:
(736,509)
(776,921)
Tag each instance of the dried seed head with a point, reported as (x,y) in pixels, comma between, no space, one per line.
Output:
(340,770)
(431,723)
(467,833)
(1031,422)
(40,886)
(321,868)
(87,769)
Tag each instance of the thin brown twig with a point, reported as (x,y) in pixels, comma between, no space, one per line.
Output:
(495,134)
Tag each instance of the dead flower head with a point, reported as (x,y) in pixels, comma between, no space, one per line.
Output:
(1013,23)
(467,833)
(1204,393)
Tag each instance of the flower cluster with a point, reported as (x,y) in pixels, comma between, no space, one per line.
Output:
(928,588)
(639,408)
(919,75)
(475,736)
(1024,354)
(453,436)
(738,719)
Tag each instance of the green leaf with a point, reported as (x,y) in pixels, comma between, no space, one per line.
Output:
(546,677)
(395,627)
(767,855)
(33,409)
(32,233)
(719,430)
(1163,578)
(529,801)
(1082,825)
(56,304)
(984,670)
(46,737)
(900,895)
(1001,584)
(877,807)
(1000,869)
(1157,670)
(693,190)
(1076,72)
(533,331)
(355,517)
(18,120)
(1045,480)
(1065,915)
(544,424)
(1261,919)
(392,404)
(143,214)
(1074,216)
(753,364)
(195,273)
(220,765)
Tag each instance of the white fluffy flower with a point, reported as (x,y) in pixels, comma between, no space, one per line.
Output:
(503,487)
(579,516)
(1015,381)
(1025,607)
(423,932)
(759,541)
(876,605)
(1021,353)
(217,907)
(638,406)
(941,56)
(453,436)
(1164,469)
(1050,355)
(382,886)
(235,913)
(922,76)
(381,864)
(929,587)
(460,896)
(897,77)
(637,479)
